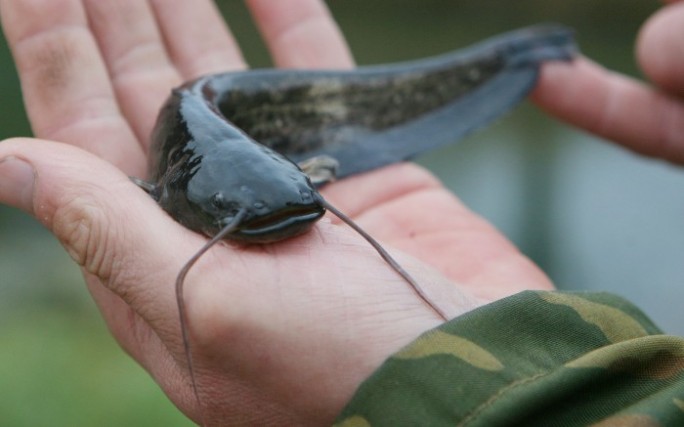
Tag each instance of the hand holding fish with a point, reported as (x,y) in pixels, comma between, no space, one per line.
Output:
(264,320)
(281,333)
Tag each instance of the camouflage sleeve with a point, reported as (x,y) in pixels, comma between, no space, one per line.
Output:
(533,359)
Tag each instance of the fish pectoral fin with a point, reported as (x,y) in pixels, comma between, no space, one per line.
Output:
(149,188)
(320,169)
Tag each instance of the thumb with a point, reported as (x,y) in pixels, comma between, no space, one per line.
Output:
(112,229)
(659,48)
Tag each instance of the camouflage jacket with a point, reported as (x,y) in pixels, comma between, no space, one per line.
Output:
(533,359)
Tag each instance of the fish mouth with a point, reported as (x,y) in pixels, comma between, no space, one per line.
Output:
(279,225)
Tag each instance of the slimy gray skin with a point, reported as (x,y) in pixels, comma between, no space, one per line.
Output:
(226,147)
(228,141)
(374,116)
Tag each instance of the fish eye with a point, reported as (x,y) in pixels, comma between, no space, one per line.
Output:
(218,201)
(224,206)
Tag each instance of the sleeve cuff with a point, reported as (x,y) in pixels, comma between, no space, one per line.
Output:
(535,358)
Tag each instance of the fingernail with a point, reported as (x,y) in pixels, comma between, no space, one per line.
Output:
(16,183)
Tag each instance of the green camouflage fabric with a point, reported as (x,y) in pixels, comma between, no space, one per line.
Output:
(533,359)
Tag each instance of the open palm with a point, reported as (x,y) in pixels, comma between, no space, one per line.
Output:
(281,333)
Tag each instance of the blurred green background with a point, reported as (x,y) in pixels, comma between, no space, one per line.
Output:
(592,215)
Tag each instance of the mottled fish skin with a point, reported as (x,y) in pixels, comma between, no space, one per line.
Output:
(374,116)
(228,141)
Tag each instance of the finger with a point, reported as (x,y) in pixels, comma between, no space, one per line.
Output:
(197,38)
(614,107)
(301,34)
(660,48)
(64,81)
(129,249)
(136,58)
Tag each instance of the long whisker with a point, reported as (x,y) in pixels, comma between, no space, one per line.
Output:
(387,257)
(227,229)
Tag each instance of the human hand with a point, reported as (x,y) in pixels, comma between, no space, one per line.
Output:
(646,119)
(283,333)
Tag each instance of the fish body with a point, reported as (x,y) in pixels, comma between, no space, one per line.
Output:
(233,141)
